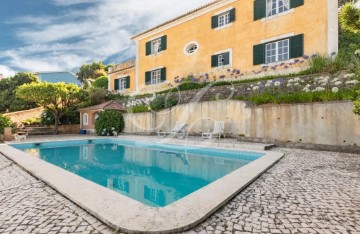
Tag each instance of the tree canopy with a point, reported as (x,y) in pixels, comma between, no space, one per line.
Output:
(350,18)
(101,82)
(8,86)
(89,72)
(56,97)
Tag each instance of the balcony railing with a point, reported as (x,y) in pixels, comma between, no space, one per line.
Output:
(122,66)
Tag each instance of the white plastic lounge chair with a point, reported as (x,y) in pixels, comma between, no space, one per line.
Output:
(178,130)
(218,130)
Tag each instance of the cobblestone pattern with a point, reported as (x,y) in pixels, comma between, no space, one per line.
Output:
(27,205)
(306,192)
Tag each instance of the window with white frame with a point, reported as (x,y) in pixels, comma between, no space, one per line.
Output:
(85,119)
(220,60)
(224,19)
(122,84)
(277,51)
(274,7)
(156,46)
(156,76)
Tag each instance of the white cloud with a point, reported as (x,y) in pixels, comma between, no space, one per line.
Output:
(96,33)
(6,71)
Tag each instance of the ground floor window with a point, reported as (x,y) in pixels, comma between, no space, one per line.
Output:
(277,51)
(85,119)
(156,76)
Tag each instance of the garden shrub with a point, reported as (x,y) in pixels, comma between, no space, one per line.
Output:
(326,64)
(158,103)
(31,121)
(109,121)
(190,85)
(170,102)
(4,123)
(101,82)
(116,96)
(47,118)
(139,109)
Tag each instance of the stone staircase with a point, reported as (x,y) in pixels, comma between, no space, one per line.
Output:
(37,130)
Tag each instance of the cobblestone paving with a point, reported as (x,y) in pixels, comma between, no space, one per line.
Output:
(27,205)
(306,192)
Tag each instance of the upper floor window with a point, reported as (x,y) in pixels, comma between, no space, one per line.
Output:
(191,48)
(156,45)
(223,19)
(274,7)
(268,8)
(277,51)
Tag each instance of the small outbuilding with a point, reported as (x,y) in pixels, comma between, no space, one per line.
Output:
(89,114)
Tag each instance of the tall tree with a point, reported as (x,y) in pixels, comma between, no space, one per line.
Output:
(8,86)
(350,18)
(56,97)
(89,72)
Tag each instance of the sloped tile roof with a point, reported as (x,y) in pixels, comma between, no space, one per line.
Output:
(110,105)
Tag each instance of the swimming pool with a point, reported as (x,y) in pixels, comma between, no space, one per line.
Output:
(209,170)
(153,174)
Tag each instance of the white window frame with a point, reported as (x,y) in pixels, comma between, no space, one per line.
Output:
(220,60)
(154,195)
(156,76)
(156,46)
(224,19)
(277,54)
(230,58)
(122,84)
(87,119)
(278,9)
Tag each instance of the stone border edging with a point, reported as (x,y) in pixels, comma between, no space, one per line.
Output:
(125,214)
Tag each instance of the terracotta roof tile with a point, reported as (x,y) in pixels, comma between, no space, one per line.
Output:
(110,105)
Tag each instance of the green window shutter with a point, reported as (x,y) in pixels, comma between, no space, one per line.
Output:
(214,61)
(117,84)
(163,74)
(297,46)
(163,43)
(148,78)
(226,58)
(296,3)
(148,48)
(259,9)
(127,82)
(259,54)
(232,15)
(214,21)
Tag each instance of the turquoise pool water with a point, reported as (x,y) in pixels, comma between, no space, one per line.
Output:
(154,174)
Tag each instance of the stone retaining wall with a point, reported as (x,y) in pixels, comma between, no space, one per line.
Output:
(19,116)
(331,123)
(68,129)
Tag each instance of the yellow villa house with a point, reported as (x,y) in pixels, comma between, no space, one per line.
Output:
(229,39)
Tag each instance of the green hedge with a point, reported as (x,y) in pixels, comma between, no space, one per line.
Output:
(108,122)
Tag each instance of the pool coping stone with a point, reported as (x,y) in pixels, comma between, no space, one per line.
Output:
(128,215)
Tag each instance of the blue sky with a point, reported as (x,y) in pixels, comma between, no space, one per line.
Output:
(53,35)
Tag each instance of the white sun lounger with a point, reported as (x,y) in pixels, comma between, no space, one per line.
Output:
(179,130)
(218,130)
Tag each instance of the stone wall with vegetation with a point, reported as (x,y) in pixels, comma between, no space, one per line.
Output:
(19,116)
(331,123)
